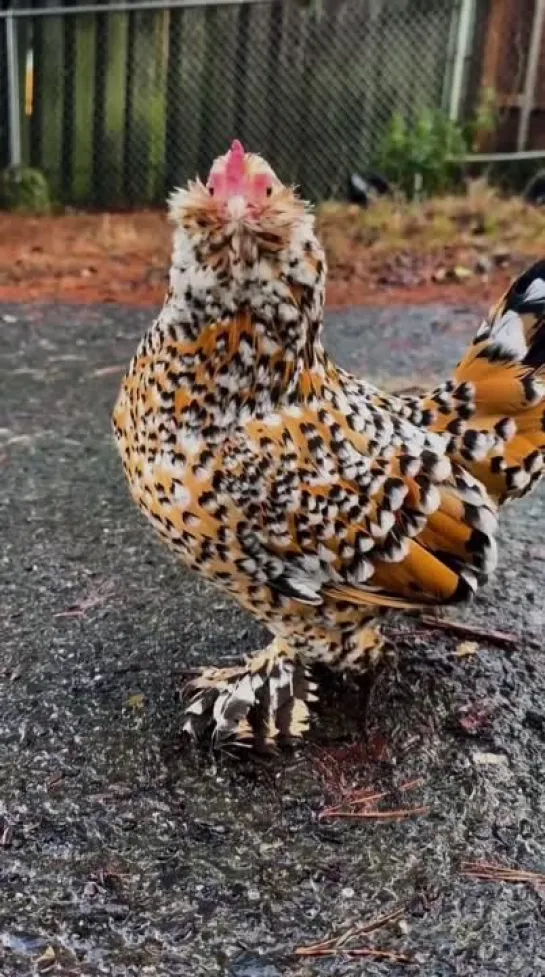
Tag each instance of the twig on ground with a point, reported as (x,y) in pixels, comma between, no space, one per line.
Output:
(468,631)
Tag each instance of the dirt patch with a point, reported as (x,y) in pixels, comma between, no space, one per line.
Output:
(445,250)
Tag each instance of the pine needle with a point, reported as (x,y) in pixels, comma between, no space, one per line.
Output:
(399,814)
(351,808)
(492,872)
(336,946)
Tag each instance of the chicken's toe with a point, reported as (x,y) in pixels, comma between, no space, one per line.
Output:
(261,703)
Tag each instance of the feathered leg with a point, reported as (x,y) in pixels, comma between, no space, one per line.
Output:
(260,703)
(361,657)
(360,649)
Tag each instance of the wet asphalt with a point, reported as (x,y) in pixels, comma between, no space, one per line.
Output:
(124,852)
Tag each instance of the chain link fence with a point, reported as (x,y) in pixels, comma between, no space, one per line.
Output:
(117,105)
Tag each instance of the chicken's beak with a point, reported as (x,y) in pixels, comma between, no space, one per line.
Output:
(236,207)
(232,184)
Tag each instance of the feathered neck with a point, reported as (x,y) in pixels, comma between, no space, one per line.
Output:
(251,331)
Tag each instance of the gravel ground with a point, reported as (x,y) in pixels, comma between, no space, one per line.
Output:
(124,852)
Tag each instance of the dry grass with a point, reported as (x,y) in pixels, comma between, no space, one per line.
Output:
(146,234)
(482,219)
(393,247)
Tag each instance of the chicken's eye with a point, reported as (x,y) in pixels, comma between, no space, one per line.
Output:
(211,191)
(269,191)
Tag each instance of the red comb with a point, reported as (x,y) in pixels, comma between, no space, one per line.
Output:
(234,170)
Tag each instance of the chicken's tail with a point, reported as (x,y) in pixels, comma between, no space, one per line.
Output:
(494,407)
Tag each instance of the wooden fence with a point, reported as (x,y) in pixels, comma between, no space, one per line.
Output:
(503,63)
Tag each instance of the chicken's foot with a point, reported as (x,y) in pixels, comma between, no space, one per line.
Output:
(262,703)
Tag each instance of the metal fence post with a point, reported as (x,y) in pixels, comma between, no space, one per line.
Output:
(527,101)
(461,53)
(14,104)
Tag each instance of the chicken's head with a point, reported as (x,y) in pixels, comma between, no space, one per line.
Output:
(242,200)
(241,184)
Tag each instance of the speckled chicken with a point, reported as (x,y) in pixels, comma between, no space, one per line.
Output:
(312,498)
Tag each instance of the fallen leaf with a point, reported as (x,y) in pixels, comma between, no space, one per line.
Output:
(46,960)
(490,759)
(475,717)
(460,273)
(136,701)
(466,649)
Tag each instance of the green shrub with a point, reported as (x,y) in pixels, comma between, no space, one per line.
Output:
(425,158)
(24,191)
(421,159)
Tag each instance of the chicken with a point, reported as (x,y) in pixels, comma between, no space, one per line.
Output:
(313,499)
